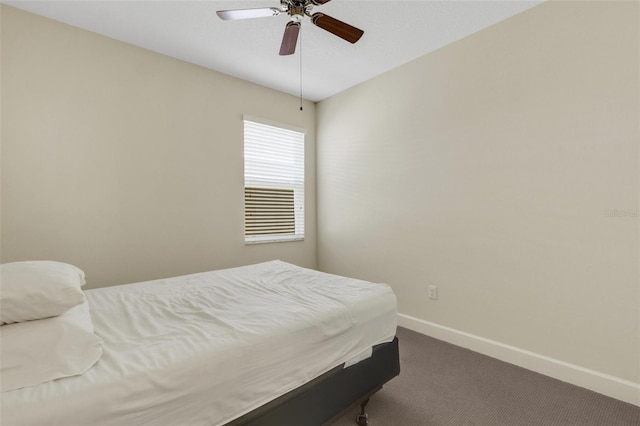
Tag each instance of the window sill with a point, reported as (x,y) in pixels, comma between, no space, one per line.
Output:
(273,239)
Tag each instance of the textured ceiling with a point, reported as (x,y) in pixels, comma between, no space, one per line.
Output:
(395,32)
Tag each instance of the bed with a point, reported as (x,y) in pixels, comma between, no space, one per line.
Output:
(264,344)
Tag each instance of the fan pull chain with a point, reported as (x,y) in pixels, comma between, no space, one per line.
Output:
(300,50)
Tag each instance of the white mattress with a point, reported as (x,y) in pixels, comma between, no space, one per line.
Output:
(206,348)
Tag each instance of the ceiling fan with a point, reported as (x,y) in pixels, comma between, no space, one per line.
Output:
(297,9)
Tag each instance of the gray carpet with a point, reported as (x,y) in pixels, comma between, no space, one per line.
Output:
(442,384)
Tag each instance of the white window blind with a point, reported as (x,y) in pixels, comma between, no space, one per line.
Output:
(273,181)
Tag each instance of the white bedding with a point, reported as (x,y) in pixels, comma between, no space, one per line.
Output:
(206,348)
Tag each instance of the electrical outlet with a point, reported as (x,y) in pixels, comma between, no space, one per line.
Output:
(433,292)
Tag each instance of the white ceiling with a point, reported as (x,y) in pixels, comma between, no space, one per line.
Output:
(395,33)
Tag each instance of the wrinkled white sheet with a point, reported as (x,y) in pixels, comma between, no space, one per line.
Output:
(206,348)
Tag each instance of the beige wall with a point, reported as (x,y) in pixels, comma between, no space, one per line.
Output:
(489,168)
(128,163)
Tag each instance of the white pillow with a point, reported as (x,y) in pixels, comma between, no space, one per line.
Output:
(34,290)
(36,352)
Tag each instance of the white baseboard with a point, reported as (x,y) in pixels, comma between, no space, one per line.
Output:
(596,381)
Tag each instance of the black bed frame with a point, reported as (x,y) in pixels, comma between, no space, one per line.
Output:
(330,395)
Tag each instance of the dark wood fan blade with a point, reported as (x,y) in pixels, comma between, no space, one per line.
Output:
(339,28)
(260,12)
(290,38)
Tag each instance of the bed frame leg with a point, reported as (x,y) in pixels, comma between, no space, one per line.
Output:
(363,419)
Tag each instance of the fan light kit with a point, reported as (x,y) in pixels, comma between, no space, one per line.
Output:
(297,10)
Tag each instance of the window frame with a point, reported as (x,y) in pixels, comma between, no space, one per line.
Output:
(298,186)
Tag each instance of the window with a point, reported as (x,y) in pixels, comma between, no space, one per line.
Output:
(273,181)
